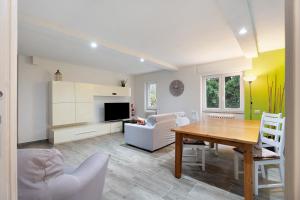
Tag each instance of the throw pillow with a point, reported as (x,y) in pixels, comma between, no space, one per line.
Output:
(140,121)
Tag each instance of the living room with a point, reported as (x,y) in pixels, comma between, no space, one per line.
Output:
(151,100)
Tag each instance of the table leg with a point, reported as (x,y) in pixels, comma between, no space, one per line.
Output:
(178,155)
(248,160)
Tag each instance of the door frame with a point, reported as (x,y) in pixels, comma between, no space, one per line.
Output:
(292,66)
(8,103)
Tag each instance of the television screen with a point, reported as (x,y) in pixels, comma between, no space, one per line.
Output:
(116,111)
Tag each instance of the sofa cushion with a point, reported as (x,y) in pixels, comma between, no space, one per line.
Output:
(153,119)
(190,141)
(140,121)
(261,153)
(166,116)
(182,121)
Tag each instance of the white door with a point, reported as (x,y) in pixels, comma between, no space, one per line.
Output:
(8,99)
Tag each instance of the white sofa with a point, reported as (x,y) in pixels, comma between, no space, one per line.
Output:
(155,134)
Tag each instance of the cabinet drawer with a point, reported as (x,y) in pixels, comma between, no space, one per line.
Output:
(84,112)
(62,92)
(121,91)
(85,134)
(103,129)
(100,90)
(84,92)
(63,113)
(116,127)
(72,133)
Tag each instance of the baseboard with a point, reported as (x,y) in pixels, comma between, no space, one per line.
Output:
(21,145)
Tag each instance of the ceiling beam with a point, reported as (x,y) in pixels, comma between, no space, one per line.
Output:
(24,19)
(238,15)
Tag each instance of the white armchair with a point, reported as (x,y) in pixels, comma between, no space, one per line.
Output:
(42,176)
(155,134)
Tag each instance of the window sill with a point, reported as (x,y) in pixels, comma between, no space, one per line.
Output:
(150,111)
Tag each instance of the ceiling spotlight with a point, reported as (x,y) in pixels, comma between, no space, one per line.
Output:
(142,60)
(94,45)
(243,31)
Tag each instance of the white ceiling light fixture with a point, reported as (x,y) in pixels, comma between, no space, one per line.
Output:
(243,31)
(94,45)
(142,60)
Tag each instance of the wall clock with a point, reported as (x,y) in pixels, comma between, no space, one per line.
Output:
(176,88)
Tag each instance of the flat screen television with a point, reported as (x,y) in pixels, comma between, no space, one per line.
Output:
(116,111)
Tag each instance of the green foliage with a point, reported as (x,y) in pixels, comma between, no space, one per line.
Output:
(232,91)
(212,93)
(152,96)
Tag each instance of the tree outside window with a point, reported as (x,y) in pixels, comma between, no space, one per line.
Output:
(212,92)
(232,91)
(223,93)
(151,96)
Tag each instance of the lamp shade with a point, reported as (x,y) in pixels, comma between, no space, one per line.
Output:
(250,78)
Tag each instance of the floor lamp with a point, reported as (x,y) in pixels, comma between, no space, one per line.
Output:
(250,79)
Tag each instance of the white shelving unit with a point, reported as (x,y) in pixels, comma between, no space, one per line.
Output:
(72,105)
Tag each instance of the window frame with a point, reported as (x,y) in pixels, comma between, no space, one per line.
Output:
(222,105)
(147,85)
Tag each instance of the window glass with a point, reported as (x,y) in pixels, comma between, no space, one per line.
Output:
(223,93)
(212,92)
(151,96)
(232,92)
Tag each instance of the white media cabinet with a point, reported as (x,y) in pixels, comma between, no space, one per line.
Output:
(71,110)
(82,131)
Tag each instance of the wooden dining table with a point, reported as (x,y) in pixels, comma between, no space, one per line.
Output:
(234,132)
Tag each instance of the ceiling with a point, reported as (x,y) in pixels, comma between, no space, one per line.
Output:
(168,34)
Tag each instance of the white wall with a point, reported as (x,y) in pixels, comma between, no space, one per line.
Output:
(33,92)
(189,101)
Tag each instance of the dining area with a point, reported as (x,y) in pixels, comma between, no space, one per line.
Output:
(239,152)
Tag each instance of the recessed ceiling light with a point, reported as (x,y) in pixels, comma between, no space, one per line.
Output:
(94,45)
(142,60)
(243,31)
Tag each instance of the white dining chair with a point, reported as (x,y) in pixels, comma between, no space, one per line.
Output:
(271,135)
(272,118)
(195,116)
(215,146)
(195,149)
(192,148)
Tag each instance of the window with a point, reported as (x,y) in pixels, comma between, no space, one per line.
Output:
(223,93)
(151,96)
(212,92)
(232,92)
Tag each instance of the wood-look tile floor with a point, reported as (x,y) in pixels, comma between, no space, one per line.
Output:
(135,174)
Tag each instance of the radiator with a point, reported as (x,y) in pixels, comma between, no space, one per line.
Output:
(221,116)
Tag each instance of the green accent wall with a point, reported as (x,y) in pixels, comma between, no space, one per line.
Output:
(267,63)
